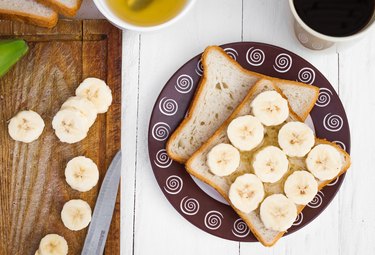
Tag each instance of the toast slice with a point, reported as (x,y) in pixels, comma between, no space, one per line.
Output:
(223,86)
(68,8)
(28,11)
(197,166)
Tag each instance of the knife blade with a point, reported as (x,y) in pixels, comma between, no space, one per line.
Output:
(105,204)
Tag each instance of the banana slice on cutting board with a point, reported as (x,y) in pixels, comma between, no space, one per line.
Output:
(26,126)
(79,113)
(97,92)
(84,106)
(223,159)
(81,173)
(245,132)
(69,126)
(270,108)
(324,162)
(246,192)
(270,164)
(296,139)
(53,244)
(278,212)
(301,187)
(76,214)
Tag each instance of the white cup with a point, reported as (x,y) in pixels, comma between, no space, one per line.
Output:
(317,41)
(103,7)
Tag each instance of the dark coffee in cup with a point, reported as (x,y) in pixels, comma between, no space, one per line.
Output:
(337,18)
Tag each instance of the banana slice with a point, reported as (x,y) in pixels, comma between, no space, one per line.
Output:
(245,132)
(84,106)
(76,214)
(324,162)
(53,244)
(296,139)
(270,164)
(37,252)
(301,187)
(26,126)
(81,173)
(223,159)
(277,212)
(270,108)
(246,192)
(97,92)
(69,126)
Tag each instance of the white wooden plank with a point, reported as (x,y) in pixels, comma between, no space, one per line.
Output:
(159,229)
(357,204)
(129,134)
(271,22)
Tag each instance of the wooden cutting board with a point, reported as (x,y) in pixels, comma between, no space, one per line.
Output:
(32,183)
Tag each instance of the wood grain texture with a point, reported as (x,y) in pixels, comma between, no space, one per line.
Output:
(357,204)
(32,183)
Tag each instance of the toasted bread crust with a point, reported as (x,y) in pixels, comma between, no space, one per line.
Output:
(312,104)
(60,8)
(28,18)
(201,86)
(225,195)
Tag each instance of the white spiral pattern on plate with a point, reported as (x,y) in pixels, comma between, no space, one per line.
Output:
(213,220)
(184,84)
(160,131)
(189,206)
(232,53)
(255,57)
(168,106)
(324,97)
(341,144)
(306,75)
(317,200)
(283,63)
(333,183)
(162,159)
(173,185)
(333,122)
(298,220)
(240,229)
(199,68)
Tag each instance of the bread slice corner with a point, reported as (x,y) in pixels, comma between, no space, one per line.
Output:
(302,95)
(28,11)
(68,8)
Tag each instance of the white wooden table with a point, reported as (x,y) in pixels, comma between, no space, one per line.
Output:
(149,224)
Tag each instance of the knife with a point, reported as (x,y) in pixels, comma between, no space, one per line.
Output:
(105,204)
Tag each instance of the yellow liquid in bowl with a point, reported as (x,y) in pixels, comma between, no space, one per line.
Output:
(154,13)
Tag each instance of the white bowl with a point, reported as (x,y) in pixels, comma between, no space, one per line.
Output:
(122,24)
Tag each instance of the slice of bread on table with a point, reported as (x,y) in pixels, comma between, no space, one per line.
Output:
(28,11)
(67,8)
(197,165)
(223,86)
